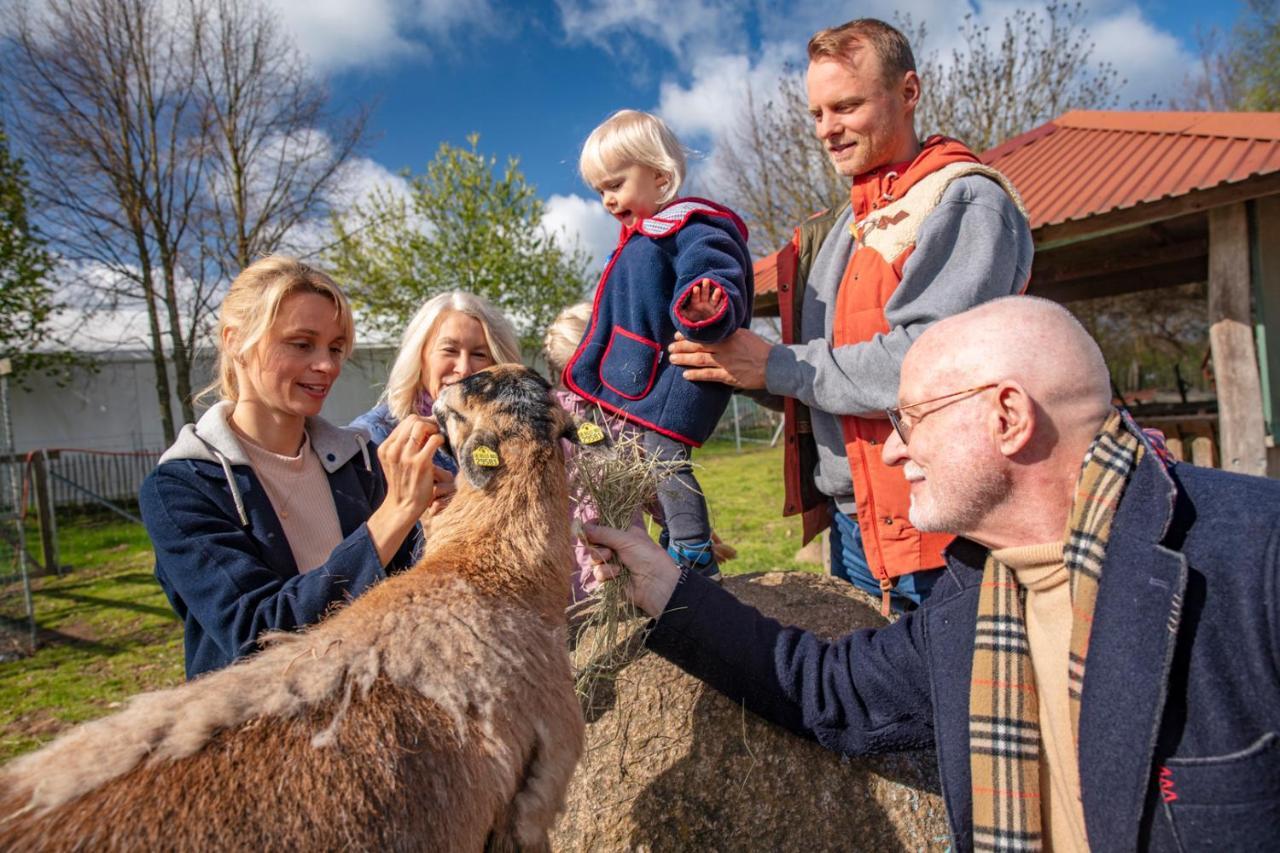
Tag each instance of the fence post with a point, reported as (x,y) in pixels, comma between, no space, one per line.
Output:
(737,431)
(15,472)
(46,512)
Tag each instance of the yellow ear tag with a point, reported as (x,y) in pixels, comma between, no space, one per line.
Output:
(589,433)
(485,457)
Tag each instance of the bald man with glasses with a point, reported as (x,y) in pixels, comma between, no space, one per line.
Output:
(1098,668)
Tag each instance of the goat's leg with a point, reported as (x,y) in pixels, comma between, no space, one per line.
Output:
(548,771)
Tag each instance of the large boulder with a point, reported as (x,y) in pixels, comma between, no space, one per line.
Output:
(672,765)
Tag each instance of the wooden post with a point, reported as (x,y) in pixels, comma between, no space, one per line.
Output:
(46,512)
(1202,451)
(1266,309)
(1235,363)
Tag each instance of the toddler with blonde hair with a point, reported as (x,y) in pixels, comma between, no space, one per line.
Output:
(681,267)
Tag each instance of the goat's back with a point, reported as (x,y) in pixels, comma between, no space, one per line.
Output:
(409,720)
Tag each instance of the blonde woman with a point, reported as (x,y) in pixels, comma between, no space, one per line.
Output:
(452,336)
(263,515)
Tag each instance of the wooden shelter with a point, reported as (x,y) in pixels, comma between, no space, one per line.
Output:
(1127,201)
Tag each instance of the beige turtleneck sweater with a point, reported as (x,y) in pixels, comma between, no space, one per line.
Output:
(1047,613)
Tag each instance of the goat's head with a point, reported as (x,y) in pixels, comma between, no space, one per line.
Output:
(490,410)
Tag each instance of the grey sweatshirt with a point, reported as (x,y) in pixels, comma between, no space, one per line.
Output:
(974,247)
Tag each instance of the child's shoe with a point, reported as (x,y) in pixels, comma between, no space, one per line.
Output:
(697,557)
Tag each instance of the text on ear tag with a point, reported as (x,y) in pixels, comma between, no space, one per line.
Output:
(485,457)
(589,433)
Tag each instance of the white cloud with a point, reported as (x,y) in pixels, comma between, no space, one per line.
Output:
(717,91)
(1152,61)
(582,221)
(338,34)
(691,29)
(358,179)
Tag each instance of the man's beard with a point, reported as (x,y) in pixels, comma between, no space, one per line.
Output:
(960,505)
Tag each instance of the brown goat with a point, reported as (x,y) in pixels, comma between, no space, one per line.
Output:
(436,712)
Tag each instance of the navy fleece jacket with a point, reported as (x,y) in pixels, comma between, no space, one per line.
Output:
(622,362)
(221,554)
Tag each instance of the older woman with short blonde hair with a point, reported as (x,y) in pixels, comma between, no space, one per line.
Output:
(452,336)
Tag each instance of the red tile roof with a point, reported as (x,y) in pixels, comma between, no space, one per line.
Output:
(1088,163)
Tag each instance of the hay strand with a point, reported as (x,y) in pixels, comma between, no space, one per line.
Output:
(616,483)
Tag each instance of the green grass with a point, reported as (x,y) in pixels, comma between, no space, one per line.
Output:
(744,494)
(107,631)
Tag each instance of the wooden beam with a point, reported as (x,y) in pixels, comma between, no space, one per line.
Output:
(1065,233)
(1235,363)
(1061,267)
(1113,284)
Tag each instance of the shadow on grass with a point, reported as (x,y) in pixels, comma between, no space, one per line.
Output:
(51,636)
(115,603)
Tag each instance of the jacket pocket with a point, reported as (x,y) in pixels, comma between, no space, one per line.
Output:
(630,364)
(1228,802)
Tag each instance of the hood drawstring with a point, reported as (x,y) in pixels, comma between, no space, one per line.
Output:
(364,452)
(235,490)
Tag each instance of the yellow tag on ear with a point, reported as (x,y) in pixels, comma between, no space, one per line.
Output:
(589,433)
(485,457)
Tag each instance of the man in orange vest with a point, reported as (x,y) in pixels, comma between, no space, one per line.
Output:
(928,232)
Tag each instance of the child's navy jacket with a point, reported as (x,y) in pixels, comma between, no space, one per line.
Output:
(622,362)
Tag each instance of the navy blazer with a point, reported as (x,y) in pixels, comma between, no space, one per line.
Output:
(1180,716)
(230,576)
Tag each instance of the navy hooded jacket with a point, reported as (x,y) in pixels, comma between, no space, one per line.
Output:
(222,556)
(1180,716)
(622,363)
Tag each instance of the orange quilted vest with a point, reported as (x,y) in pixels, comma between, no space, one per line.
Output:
(886,219)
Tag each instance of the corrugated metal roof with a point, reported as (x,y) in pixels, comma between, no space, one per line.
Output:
(1087,163)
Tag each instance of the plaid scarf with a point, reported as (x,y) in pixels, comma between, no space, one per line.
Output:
(1004,718)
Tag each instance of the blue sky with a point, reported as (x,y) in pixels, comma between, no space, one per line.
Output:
(533,78)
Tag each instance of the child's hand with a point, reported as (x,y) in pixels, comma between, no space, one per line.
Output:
(703,302)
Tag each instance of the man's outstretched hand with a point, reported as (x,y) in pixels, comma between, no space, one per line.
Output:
(653,573)
(739,360)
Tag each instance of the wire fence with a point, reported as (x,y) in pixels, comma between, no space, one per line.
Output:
(747,422)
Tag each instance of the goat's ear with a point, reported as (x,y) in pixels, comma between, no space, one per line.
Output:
(586,433)
(480,458)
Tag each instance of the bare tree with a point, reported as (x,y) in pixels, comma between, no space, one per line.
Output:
(1238,69)
(108,121)
(991,89)
(772,168)
(275,151)
(169,145)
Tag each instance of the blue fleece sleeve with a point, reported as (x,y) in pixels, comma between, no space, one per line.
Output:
(210,567)
(974,247)
(705,252)
(864,693)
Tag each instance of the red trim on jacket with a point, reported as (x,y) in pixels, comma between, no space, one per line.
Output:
(653,371)
(698,324)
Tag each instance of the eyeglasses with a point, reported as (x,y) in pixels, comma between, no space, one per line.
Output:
(903,428)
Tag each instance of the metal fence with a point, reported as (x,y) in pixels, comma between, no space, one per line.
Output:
(80,478)
(745,420)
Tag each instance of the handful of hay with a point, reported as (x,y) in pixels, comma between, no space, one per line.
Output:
(617,482)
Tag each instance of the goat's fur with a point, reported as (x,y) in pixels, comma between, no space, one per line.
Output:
(435,712)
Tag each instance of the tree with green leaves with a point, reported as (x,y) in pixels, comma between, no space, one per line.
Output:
(1239,69)
(464,225)
(26,300)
